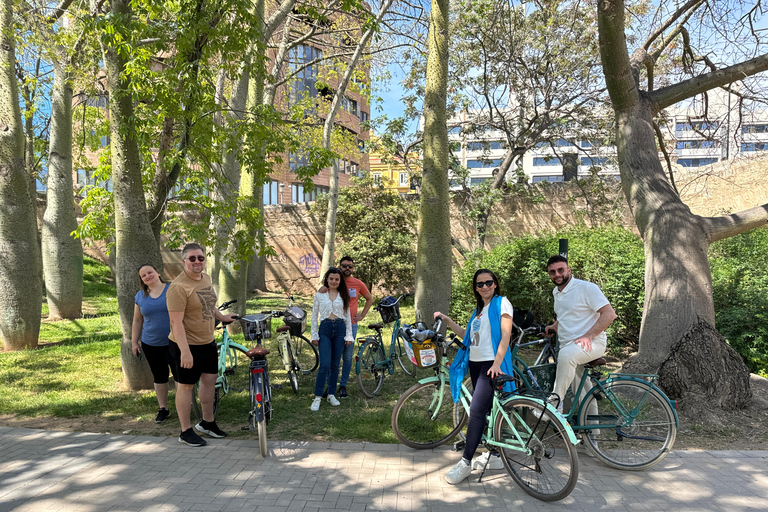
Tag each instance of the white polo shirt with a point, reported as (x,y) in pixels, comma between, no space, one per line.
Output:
(576,307)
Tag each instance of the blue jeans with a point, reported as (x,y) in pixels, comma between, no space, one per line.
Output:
(349,351)
(330,347)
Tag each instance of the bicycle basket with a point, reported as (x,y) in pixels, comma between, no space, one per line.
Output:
(421,353)
(258,325)
(389,309)
(296,320)
(544,374)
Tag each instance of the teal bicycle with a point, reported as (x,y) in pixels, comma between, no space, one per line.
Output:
(535,443)
(372,363)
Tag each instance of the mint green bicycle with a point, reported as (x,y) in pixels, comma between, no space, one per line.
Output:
(536,444)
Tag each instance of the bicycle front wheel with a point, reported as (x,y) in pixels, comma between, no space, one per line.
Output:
(402,358)
(371,377)
(537,453)
(622,442)
(293,371)
(305,354)
(198,407)
(423,416)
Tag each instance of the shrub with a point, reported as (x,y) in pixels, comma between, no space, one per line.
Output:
(740,289)
(611,257)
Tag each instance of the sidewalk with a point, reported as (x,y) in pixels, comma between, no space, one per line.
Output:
(69,471)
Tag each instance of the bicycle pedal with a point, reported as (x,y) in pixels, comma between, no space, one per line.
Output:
(458,446)
(229,371)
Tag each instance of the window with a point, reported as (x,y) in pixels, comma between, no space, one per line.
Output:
(302,84)
(542,161)
(480,146)
(477,181)
(269,192)
(364,116)
(362,146)
(454,130)
(299,195)
(696,144)
(754,146)
(376,177)
(88,178)
(404,181)
(104,141)
(97,101)
(586,144)
(695,162)
(478,164)
(559,143)
(296,160)
(347,167)
(349,105)
(594,160)
(696,126)
(754,128)
(551,179)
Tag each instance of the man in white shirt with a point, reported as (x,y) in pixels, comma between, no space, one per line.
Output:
(583,314)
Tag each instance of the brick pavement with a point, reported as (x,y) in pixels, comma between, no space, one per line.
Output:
(70,471)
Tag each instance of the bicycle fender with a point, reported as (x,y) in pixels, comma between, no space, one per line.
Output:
(557,414)
(672,403)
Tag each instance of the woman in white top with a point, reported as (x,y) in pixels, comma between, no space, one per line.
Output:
(487,335)
(331,332)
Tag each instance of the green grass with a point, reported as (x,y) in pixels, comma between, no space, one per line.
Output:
(76,374)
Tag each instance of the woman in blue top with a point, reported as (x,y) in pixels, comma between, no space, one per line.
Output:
(487,336)
(152,326)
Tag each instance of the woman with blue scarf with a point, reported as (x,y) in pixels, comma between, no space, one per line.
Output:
(487,336)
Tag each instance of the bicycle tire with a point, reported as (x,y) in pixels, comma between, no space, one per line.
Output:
(370,379)
(458,409)
(400,354)
(293,377)
(651,434)
(305,354)
(198,407)
(422,417)
(262,431)
(551,469)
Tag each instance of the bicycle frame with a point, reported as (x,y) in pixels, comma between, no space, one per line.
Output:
(227,359)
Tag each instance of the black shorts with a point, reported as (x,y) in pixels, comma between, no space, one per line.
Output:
(159,359)
(205,359)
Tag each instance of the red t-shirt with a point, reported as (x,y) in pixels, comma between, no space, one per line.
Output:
(357,289)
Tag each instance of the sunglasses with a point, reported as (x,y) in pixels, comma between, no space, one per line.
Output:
(346,266)
(196,258)
(480,284)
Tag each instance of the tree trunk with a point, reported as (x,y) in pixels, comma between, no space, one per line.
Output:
(20,285)
(433,255)
(679,311)
(62,253)
(135,243)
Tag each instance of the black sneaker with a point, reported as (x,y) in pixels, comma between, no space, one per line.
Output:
(342,392)
(189,437)
(210,428)
(162,415)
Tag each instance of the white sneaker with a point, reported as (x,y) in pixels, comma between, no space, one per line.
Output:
(458,473)
(495,463)
(332,400)
(316,403)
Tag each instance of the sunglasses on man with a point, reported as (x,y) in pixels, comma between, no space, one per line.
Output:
(196,258)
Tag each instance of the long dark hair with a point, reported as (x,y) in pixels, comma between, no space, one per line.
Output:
(141,281)
(478,298)
(343,290)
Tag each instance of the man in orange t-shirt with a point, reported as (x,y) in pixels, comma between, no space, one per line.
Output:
(356,289)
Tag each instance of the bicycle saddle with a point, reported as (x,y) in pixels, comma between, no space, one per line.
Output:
(258,351)
(283,328)
(597,362)
(376,326)
(500,380)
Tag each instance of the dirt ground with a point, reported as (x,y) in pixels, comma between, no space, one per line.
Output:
(736,430)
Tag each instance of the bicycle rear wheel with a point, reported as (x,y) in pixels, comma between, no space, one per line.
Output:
(256,388)
(371,377)
(621,442)
(545,465)
(402,358)
(423,416)
(198,407)
(305,354)
(293,371)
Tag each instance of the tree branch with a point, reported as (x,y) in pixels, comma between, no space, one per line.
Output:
(730,225)
(667,96)
(59,11)
(613,54)
(691,4)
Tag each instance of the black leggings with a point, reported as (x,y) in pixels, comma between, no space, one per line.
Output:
(159,359)
(482,399)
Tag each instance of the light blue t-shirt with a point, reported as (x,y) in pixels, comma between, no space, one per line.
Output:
(157,323)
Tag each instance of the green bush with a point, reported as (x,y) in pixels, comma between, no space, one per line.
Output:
(740,289)
(611,257)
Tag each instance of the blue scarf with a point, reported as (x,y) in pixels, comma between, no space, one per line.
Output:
(460,365)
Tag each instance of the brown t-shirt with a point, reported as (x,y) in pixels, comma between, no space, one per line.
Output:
(197,300)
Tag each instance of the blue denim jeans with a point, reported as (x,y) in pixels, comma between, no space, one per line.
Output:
(346,366)
(330,347)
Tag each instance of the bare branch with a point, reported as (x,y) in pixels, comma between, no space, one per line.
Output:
(691,4)
(730,225)
(59,11)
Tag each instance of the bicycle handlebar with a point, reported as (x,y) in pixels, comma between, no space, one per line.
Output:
(226,305)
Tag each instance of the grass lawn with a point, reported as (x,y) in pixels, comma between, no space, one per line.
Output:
(74,380)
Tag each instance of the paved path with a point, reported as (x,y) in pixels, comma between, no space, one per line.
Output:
(69,471)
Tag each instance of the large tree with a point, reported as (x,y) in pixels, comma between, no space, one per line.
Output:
(20,284)
(678,337)
(433,254)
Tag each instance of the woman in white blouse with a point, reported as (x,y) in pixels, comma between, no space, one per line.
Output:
(331,332)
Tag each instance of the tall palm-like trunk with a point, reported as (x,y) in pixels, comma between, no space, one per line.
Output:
(62,252)
(134,240)
(20,284)
(433,255)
